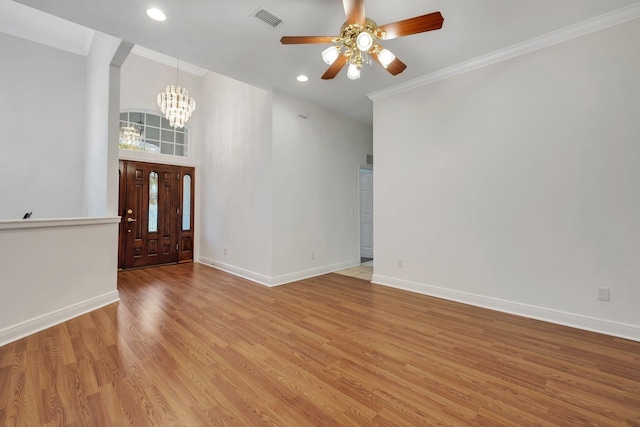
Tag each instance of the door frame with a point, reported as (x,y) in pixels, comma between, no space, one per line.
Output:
(366,167)
(185,239)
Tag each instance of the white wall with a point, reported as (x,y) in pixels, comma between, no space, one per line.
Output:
(315,167)
(42,143)
(516,186)
(141,81)
(235,178)
(54,270)
(230,137)
(97,164)
(270,187)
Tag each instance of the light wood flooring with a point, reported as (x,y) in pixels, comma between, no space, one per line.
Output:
(364,272)
(189,345)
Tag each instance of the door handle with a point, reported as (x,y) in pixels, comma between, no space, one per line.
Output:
(131,220)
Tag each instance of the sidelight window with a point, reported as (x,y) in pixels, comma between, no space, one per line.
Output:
(186,203)
(153,202)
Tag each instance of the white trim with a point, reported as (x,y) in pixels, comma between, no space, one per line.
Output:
(278,280)
(236,271)
(40,323)
(617,329)
(597,23)
(164,159)
(88,42)
(301,275)
(32,223)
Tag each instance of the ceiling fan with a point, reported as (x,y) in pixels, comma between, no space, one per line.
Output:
(358,40)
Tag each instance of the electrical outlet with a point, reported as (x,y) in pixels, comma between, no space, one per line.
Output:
(225,251)
(400,263)
(603,294)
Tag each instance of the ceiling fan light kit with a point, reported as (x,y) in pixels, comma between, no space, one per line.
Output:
(357,43)
(386,57)
(353,72)
(364,41)
(330,54)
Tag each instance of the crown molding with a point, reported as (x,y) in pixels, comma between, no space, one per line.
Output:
(583,28)
(168,60)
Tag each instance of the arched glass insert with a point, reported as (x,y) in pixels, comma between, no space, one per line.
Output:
(153,202)
(186,202)
(152,133)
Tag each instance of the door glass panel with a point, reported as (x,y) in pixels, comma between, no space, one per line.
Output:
(186,202)
(153,202)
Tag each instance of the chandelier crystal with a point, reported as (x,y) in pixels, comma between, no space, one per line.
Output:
(176,104)
(131,138)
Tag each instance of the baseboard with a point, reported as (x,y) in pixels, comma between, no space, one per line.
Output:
(278,280)
(301,275)
(40,323)
(236,271)
(616,329)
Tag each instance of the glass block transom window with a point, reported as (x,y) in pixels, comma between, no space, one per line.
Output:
(156,135)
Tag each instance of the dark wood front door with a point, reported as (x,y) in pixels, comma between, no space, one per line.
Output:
(156,206)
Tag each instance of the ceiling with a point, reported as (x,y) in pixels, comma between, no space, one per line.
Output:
(224,36)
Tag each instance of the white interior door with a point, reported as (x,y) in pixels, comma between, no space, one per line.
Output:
(366,213)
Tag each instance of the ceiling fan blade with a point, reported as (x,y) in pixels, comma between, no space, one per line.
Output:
(335,68)
(354,9)
(395,68)
(419,24)
(306,39)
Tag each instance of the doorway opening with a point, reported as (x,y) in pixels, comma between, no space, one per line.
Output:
(156,204)
(366,215)
(365,269)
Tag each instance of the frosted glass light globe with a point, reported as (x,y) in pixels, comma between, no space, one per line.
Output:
(330,54)
(386,57)
(364,41)
(353,72)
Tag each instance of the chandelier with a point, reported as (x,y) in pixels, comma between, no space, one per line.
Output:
(176,104)
(131,138)
(358,44)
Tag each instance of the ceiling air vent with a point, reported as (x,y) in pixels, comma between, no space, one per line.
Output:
(267,17)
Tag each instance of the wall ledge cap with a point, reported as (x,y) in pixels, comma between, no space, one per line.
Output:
(26,224)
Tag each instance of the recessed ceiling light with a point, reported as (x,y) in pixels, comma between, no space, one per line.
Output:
(302,78)
(156,14)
